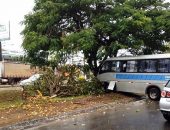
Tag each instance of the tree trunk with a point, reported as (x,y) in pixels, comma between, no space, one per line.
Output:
(95,71)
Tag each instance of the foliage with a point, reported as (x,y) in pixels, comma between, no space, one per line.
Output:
(98,28)
(168,48)
(67,81)
(91,87)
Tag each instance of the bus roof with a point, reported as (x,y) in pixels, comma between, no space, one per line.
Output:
(154,56)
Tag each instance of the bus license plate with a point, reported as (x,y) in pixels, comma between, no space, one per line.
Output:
(111,85)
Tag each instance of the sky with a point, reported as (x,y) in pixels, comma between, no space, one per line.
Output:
(14,11)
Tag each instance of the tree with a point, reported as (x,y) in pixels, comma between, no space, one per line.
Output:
(98,28)
(146,26)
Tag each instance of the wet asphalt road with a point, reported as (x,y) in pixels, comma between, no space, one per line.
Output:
(141,115)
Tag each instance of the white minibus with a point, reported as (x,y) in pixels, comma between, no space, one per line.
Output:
(145,74)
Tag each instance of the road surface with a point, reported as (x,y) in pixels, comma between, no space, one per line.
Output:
(141,115)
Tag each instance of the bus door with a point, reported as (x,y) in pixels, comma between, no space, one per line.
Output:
(125,79)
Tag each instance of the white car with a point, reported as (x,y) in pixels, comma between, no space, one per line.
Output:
(164,102)
(30,80)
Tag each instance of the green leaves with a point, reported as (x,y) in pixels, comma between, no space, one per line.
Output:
(83,40)
(98,28)
(35,41)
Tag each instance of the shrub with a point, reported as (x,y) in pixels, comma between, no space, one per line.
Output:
(67,81)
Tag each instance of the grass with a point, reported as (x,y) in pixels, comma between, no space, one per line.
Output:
(12,98)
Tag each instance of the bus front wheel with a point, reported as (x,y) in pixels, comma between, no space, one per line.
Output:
(154,93)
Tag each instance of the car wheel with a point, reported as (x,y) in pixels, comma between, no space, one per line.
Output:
(154,93)
(167,117)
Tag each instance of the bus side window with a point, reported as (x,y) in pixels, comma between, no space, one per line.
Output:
(150,66)
(107,67)
(123,66)
(141,66)
(147,66)
(118,66)
(131,66)
(113,66)
(104,67)
(110,66)
(164,65)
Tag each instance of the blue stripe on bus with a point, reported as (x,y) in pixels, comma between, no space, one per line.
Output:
(142,77)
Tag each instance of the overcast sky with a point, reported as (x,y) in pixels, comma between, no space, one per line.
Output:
(14,11)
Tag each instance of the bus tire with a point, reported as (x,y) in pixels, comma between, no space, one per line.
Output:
(154,93)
